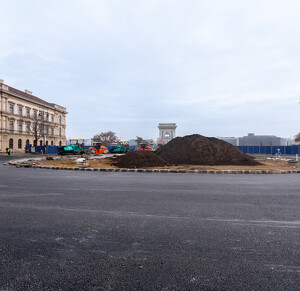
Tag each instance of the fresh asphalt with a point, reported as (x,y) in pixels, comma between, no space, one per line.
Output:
(69,230)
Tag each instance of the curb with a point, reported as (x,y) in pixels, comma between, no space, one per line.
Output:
(18,164)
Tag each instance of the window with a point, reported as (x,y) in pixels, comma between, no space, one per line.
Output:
(11,125)
(60,143)
(59,119)
(52,131)
(47,130)
(60,132)
(35,114)
(41,142)
(41,115)
(20,110)
(52,142)
(52,118)
(28,112)
(11,143)
(20,126)
(46,143)
(19,144)
(27,141)
(47,116)
(11,108)
(28,127)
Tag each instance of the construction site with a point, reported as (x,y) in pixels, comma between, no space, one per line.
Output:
(192,152)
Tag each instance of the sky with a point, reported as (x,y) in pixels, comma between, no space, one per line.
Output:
(216,68)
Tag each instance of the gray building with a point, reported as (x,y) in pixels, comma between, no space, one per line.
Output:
(259,140)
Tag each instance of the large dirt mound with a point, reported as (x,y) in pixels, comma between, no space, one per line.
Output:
(200,150)
(140,159)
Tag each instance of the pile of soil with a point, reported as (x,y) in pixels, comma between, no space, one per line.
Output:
(200,150)
(140,159)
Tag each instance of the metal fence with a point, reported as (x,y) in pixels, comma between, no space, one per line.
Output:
(270,150)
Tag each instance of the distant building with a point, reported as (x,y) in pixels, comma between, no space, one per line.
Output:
(167,131)
(23,117)
(259,140)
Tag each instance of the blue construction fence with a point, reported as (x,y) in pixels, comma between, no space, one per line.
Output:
(270,150)
(260,150)
(53,150)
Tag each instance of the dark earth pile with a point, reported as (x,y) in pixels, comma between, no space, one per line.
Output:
(140,159)
(200,150)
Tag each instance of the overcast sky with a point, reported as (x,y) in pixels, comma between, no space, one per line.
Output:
(217,68)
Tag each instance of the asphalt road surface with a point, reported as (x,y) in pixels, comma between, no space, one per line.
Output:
(69,230)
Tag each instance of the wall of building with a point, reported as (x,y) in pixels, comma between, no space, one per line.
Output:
(20,114)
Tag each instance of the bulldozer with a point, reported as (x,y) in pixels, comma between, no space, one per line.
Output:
(76,147)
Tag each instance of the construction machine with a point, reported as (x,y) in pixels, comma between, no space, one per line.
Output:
(121,147)
(98,148)
(76,147)
(144,147)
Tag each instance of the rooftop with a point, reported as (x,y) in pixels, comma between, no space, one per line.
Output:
(29,96)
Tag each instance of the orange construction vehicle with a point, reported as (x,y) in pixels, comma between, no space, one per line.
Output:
(144,147)
(98,148)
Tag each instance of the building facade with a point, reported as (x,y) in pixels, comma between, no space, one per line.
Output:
(27,119)
(167,131)
(259,140)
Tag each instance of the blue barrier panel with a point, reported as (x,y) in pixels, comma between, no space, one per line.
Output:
(256,150)
(52,150)
(263,150)
(270,150)
(38,149)
(295,149)
(250,150)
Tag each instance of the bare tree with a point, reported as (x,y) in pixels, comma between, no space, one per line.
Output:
(140,141)
(38,128)
(106,138)
(297,137)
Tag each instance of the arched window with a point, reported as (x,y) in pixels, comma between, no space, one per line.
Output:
(27,141)
(41,142)
(52,142)
(19,144)
(46,142)
(11,143)
(35,143)
(60,143)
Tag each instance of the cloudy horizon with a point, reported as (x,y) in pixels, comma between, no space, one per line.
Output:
(223,68)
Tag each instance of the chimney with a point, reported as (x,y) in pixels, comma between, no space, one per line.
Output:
(28,92)
(1,81)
